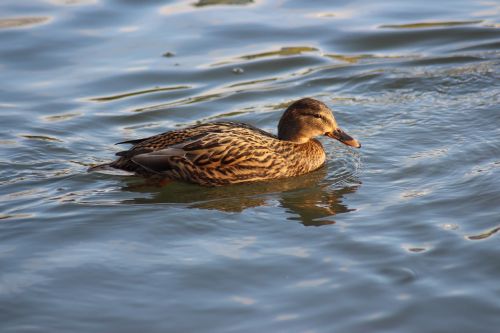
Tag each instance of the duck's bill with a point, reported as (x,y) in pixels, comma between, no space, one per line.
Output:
(343,137)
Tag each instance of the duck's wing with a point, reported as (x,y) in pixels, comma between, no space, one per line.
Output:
(166,139)
(152,144)
(209,150)
(219,158)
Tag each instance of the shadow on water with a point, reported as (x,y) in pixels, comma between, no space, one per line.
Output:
(311,199)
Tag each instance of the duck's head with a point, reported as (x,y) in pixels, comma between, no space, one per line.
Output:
(308,118)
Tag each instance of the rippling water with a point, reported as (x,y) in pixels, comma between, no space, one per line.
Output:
(400,236)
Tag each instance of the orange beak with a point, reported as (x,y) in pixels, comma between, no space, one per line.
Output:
(343,137)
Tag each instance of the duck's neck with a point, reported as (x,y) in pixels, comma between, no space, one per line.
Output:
(291,132)
(308,156)
(293,137)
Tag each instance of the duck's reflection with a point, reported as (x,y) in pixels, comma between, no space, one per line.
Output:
(317,206)
(309,199)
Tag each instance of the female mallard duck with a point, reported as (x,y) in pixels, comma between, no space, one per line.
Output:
(221,153)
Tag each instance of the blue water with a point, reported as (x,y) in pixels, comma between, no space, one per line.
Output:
(399,236)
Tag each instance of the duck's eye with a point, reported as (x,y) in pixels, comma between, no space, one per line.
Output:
(315,115)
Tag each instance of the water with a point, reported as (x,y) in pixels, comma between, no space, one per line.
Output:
(400,236)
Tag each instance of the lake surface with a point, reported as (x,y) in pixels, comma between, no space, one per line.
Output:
(399,236)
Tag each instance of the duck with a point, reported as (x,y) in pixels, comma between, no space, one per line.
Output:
(224,153)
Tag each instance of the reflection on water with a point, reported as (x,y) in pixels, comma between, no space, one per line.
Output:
(201,3)
(317,207)
(422,25)
(20,22)
(484,234)
(309,198)
(136,93)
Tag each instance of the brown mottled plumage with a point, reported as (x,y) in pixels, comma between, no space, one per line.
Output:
(222,153)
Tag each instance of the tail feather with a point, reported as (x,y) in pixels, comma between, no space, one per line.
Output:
(107,169)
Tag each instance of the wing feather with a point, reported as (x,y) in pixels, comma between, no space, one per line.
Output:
(212,150)
(208,154)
